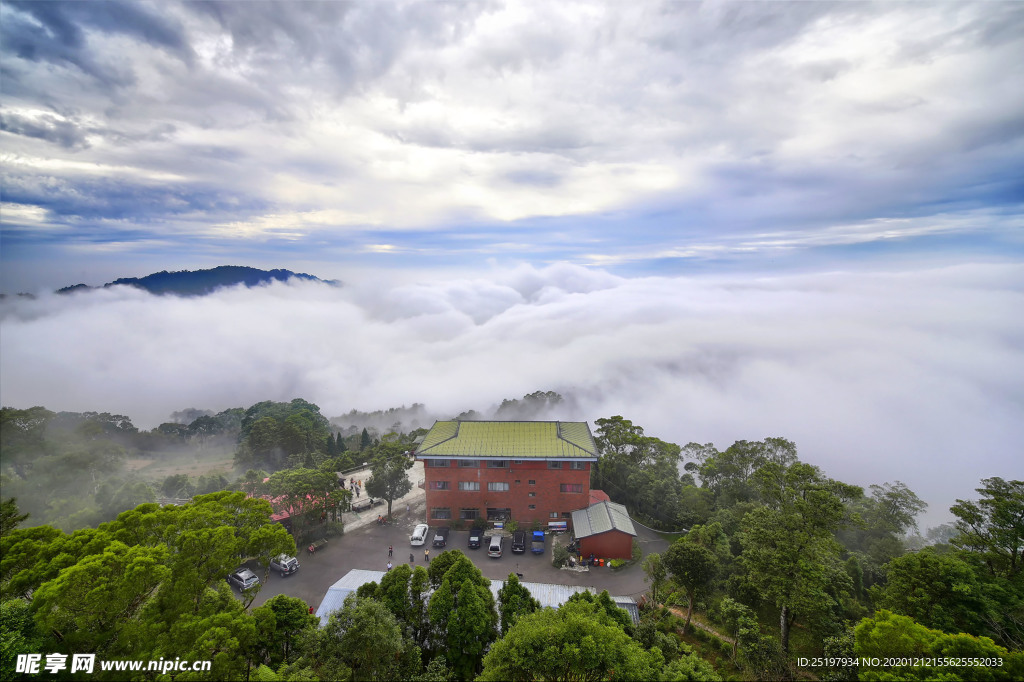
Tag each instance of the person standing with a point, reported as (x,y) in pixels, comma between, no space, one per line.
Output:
(412,558)
(426,555)
(389,565)
(391,551)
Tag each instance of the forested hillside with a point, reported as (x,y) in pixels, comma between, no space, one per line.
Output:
(200,282)
(775,570)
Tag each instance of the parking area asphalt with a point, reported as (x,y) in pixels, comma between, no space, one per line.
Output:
(365,545)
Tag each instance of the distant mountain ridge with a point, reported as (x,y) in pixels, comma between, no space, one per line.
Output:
(202,282)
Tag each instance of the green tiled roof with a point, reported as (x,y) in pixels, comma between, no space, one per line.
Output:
(509,440)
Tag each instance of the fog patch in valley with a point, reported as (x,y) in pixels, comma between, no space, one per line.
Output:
(916,376)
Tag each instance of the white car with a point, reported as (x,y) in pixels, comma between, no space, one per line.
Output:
(419,535)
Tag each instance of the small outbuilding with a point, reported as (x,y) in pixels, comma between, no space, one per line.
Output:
(605,530)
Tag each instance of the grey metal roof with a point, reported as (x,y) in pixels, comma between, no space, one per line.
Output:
(547,594)
(553,596)
(600,518)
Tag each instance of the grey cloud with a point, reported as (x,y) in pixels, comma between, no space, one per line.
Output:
(47,127)
(53,32)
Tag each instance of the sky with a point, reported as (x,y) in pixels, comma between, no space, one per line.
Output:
(722,220)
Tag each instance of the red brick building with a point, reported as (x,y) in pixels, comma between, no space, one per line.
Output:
(500,471)
(604,530)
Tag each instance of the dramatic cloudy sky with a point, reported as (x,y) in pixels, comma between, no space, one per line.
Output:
(724,220)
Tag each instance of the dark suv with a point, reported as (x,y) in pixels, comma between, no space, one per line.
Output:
(476,537)
(519,541)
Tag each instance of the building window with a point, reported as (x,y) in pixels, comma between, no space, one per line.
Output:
(553,515)
(532,482)
(533,494)
(517,461)
(579,466)
(441,513)
(499,514)
(439,485)
(469,514)
(533,506)
(497,464)
(466,463)
(437,462)
(498,486)
(554,465)
(570,488)
(566,515)
(469,485)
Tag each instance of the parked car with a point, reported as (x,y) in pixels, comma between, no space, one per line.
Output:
(244,579)
(441,536)
(494,547)
(284,564)
(419,535)
(537,545)
(475,538)
(519,541)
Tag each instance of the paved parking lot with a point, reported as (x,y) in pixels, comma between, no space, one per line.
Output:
(365,545)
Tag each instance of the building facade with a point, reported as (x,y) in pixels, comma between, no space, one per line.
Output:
(500,471)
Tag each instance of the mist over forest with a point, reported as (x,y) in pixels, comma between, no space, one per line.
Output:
(914,376)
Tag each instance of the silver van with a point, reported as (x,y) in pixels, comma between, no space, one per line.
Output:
(494,548)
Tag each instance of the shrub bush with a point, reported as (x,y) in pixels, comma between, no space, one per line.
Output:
(560,555)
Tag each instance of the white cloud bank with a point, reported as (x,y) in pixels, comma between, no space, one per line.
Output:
(916,376)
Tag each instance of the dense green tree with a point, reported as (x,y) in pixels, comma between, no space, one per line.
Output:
(994,525)
(789,550)
(462,614)
(730,474)
(30,557)
(578,642)
(440,564)
(92,606)
(894,508)
(656,573)
(888,635)
(177,486)
(366,638)
(10,517)
(389,477)
(735,617)
(286,619)
(604,602)
(514,601)
(18,634)
(689,668)
(418,618)
(692,567)
(938,591)
(394,592)
(364,439)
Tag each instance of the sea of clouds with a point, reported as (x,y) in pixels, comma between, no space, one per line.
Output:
(915,376)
